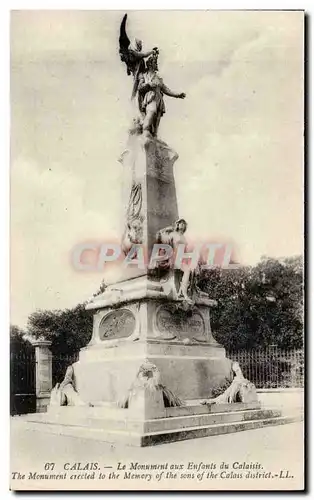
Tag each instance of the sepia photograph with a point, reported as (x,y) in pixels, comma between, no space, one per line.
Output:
(157,250)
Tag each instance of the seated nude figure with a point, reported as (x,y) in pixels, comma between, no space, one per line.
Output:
(173,236)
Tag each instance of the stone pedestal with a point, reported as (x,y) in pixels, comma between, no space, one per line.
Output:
(138,318)
(43,374)
(139,322)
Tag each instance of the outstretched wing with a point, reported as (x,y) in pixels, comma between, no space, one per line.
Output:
(124,43)
(124,40)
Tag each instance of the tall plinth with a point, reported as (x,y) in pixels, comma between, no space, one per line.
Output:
(149,196)
(140,318)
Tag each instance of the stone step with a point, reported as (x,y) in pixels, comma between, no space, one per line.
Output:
(195,406)
(133,438)
(127,423)
(112,436)
(111,411)
(188,421)
(214,430)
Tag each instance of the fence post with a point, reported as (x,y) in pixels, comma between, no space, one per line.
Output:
(43,373)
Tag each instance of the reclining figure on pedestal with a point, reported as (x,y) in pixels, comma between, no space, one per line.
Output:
(147,386)
(65,394)
(240,390)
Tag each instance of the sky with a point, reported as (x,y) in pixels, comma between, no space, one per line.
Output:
(239,135)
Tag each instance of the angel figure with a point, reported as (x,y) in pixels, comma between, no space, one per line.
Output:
(151,90)
(132,56)
(147,85)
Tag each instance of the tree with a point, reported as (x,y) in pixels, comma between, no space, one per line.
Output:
(69,330)
(281,284)
(18,340)
(257,306)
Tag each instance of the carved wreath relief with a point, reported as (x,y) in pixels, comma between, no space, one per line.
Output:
(133,234)
(181,324)
(117,324)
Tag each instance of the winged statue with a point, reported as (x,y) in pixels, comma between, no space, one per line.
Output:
(133,56)
(147,84)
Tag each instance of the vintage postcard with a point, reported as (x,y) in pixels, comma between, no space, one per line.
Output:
(156,338)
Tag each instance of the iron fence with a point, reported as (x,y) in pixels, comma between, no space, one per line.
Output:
(271,367)
(22,382)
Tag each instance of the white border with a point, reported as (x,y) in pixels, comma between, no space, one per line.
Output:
(5,7)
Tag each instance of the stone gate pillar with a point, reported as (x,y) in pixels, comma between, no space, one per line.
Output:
(43,374)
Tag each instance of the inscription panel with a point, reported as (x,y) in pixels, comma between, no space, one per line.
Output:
(116,325)
(180,324)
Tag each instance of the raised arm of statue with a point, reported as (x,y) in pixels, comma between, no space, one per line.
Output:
(142,55)
(170,93)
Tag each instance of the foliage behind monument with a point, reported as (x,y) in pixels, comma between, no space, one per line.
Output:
(257,306)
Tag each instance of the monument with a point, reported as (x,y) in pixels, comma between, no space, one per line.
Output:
(155,314)
(148,372)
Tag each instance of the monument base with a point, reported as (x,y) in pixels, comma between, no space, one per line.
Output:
(150,364)
(115,425)
(189,371)
(136,321)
